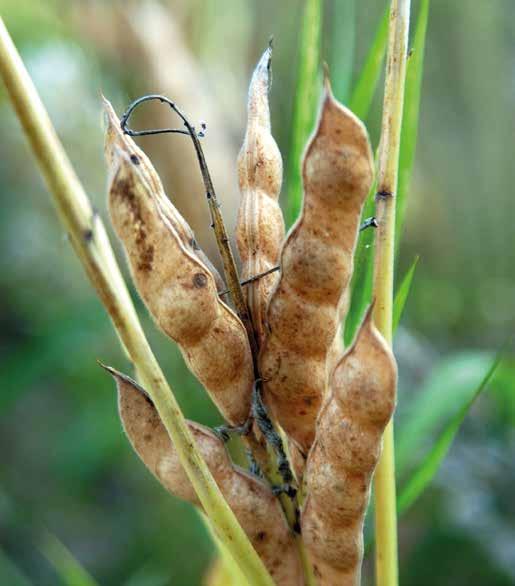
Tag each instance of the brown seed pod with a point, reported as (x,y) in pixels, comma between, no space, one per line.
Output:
(316,266)
(177,287)
(260,225)
(116,139)
(344,455)
(251,500)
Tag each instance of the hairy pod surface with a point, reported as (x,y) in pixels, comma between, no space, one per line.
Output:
(343,457)
(251,500)
(316,266)
(260,224)
(178,288)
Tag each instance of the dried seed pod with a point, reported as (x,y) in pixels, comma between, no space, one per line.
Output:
(116,139)
(316,267)
(260,225)
(178,289)
(344,455)
(251,500)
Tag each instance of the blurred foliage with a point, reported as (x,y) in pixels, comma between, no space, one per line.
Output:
(71,473)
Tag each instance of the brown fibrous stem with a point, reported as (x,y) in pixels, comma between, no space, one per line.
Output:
(384,481)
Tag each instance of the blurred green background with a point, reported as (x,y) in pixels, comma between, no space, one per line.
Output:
(67,471)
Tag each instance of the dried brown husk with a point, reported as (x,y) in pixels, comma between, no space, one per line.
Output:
(316,266)
(260,225)
(343,457)
(251,500)
(178,288)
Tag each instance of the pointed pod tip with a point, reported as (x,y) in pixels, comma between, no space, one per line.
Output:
(366,326)
(369,313)
(264,65)
(260,84)
(111,116)
(123,379)
(327,80)
(107,368)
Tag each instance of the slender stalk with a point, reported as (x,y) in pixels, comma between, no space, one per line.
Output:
(231,574)
(384,481)
(91,244)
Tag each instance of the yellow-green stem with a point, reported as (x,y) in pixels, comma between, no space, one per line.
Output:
(91,244)
(384,481)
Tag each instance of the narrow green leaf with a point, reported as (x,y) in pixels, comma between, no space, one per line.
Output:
(449,386)
(365,88)
(409,132)
(306,97)
(454,378)
(402,294)
(429,466)
(66,566)
(362,276)
(343,40)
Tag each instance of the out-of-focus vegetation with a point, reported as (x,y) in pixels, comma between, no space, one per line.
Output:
(67,469)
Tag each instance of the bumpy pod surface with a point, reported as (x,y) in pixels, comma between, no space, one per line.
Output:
(253,503)
(316,266)
(344,455)
(177,286)
(260,225)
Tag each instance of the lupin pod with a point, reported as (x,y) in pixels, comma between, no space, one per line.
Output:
(260,225)
(178,288)
(251,500)
(316,267)
(344,455)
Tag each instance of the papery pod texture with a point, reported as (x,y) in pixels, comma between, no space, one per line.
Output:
(316,267)
(344,455)
(260,225)
(256,508)
(177,286)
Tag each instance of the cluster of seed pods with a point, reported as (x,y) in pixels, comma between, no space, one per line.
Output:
(331,405)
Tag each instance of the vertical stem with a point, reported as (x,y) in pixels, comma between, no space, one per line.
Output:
(92,246)
(384,481)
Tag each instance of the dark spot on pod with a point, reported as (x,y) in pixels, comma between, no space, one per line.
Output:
(261,536)
(194,245)
(199,280)
(135,159)
(146,254)
(88,235)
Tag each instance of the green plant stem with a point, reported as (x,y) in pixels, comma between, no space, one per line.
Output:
(384,480)
(91,244)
